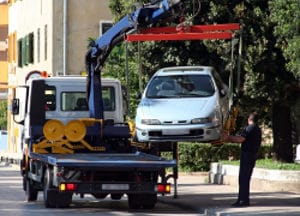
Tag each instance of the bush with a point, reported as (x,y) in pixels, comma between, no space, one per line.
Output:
(198,156)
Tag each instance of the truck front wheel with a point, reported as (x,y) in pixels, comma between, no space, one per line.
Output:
(30,192)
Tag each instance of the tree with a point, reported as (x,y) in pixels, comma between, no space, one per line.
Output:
(3,114)
(285,14)
(267,69)
(286,18)
(264,77)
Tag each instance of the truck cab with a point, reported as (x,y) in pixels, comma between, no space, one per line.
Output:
(64,99)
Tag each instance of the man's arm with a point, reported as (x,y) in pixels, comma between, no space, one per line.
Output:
(234,139)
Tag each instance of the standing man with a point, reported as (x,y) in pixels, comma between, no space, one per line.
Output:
(250,139)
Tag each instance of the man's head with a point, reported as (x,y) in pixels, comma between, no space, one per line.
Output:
(252,118)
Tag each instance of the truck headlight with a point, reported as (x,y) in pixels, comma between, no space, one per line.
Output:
(150,121)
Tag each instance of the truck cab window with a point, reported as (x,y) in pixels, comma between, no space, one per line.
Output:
(108,94)
(74,101)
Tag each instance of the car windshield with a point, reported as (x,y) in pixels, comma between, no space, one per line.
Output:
(180,86)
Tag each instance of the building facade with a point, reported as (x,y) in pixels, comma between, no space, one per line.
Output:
(3,49)
(51,36)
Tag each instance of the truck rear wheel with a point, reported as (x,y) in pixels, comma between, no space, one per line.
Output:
(31,193)
(139,201)
(52,197)
(49,193)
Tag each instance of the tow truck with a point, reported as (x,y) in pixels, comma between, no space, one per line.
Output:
(71,151)
(68,151)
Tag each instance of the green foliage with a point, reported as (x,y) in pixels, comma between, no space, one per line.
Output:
(116,67)
(198,156)
(269,164)
(3,114)
(285,14)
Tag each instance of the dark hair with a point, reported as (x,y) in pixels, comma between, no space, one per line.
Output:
(253,116)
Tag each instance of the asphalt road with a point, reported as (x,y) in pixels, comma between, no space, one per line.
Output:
(195,197)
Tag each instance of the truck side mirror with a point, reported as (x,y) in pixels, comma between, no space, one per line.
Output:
(15,106)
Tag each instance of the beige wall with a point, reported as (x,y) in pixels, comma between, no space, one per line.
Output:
(3,14)
(27,17)
(84,17)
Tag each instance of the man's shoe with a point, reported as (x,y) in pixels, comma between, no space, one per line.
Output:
(240,203)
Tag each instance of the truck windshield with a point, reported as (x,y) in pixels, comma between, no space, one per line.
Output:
(180,86)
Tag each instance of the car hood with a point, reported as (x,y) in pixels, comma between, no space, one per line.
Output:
(176,109)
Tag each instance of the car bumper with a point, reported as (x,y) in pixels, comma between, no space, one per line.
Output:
(178,133)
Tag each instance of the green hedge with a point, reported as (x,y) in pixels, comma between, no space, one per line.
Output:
(198,156)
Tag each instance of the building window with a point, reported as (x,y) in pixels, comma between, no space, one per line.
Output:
(31,48)
(38,44)
(24,50)
(10,48)
(3,42)
(20,61)
(14,49)
(46,42)
(104,26)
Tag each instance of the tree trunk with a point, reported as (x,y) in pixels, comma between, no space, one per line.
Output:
(282,133)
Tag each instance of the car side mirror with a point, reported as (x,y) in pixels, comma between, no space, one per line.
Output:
(138,95)
(15,106)
(223,92)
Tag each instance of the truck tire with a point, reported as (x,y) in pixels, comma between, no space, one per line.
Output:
(49,193)
(52,197)
(142,201)
(31,193)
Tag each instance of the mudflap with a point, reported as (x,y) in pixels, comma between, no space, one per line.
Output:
(54,199)
(142,201)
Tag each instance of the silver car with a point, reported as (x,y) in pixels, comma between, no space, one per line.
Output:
(188,103)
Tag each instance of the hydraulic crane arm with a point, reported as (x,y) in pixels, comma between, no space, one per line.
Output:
(143,17)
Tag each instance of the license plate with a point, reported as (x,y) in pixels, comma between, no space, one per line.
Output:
(175,132)
(115,186)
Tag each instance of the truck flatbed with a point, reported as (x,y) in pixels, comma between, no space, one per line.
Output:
(105,161)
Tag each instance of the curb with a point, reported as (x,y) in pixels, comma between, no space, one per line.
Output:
(262,179)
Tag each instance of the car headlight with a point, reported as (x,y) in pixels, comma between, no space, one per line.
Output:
(201,120)
(150,121)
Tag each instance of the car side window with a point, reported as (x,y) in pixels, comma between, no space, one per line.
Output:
(218,81)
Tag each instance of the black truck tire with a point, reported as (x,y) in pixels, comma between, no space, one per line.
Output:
(31,193)
(49,193)
(52,197)
(142,201)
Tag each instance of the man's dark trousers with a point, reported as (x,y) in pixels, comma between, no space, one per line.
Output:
(247,163)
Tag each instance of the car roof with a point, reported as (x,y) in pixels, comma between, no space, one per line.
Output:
(184,70)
